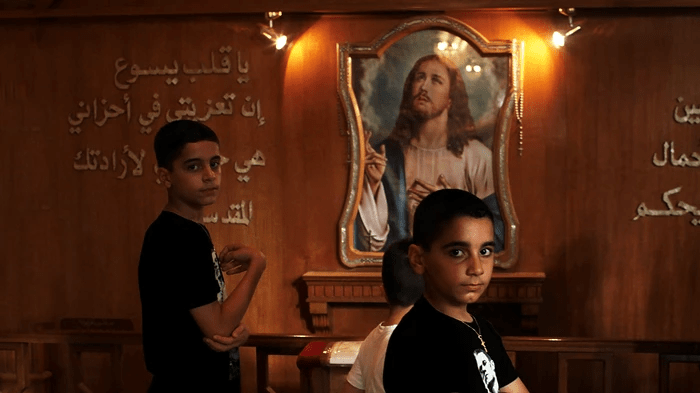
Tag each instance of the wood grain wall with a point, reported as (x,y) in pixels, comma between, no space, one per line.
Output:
(596,111)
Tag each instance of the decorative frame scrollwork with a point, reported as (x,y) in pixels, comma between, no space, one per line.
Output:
(369,76)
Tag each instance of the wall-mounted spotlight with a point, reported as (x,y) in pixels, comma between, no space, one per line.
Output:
(279,39)
(559,39)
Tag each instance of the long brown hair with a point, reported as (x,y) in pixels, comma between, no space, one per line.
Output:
(460,124)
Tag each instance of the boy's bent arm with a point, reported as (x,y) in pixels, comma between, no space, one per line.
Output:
(516,386)
(222,318)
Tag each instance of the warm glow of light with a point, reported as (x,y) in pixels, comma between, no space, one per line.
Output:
(477,68)
(558,39)
(281,41)
(442,45)
(306,46)
(468,68)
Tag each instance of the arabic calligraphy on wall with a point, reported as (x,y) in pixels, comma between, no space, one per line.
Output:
(241,215)
(689,115)
(691,160)
(94,159)
(225,68)
(682,161)
(683,208)
(120,111)
(249,108)
(101,110)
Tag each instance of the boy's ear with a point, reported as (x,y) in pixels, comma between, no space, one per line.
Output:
(164,177)
(415,258)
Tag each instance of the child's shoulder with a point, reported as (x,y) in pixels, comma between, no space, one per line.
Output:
(420,320)
(484,323)
(487,328)
(172,225)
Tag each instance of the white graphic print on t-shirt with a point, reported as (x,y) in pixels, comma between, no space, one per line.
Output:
(487,369)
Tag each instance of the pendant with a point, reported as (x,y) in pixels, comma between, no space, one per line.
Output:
(483,343)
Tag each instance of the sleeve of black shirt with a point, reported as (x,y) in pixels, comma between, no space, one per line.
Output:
(191,270)
(505,371)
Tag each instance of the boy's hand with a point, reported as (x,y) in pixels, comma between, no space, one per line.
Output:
(225,344)
(237,258)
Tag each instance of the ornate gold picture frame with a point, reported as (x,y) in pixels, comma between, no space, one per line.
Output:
(478,88)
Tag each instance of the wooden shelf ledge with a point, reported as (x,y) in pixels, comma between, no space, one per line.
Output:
(326,288)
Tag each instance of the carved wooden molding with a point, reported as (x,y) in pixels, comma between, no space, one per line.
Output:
(325,288)
(32,9)
(17,372)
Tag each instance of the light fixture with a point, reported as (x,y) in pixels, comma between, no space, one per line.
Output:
(472,68)
(280,40)
(444,46)
(559,39)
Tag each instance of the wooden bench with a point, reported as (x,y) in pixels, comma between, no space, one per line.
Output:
(23,354)
(323,361)
(324,365)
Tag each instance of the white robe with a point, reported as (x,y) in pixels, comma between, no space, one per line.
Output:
(473,172)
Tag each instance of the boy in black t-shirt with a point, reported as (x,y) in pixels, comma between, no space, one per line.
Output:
(191,330)
(439,346)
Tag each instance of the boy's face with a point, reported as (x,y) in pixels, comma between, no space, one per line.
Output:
(196,175)
(458,267)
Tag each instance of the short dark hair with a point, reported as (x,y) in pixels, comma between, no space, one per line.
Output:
(172,138)
(439,208)
(402,286)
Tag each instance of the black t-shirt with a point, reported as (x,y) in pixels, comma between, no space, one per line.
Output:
(179,271)
(432,352)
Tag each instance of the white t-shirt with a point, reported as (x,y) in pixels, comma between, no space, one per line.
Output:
(367,371)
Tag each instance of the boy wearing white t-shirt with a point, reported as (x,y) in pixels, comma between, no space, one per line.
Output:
(402,288)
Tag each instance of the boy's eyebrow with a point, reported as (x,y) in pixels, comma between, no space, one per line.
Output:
(491,243)
(467,244)
(197,159)
(191,160)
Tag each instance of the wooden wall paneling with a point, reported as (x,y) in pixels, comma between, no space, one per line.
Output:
(315,185)
(595,113)
(621,92)
(683,378)
(78,233)
(594,371)
(13,365)
(83,8)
